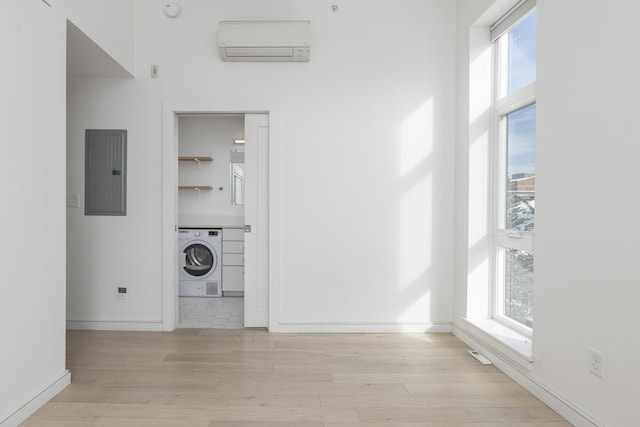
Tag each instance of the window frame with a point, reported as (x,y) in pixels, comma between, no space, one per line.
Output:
(504,104)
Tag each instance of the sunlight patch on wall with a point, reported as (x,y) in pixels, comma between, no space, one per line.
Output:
(477,291)
(416,207)
(416,137)
(479,90)
(480,93)
(415,212)
(418,311)
(478,189)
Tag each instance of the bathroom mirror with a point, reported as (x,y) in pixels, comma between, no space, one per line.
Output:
(237,178)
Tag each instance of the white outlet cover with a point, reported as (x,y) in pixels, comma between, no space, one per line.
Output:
(73,200)
(596,363)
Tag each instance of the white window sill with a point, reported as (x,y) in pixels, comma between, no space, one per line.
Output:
(502,340)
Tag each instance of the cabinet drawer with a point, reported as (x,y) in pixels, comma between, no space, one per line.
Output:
(233,234)
(232,279)
(232,259)
(232,247)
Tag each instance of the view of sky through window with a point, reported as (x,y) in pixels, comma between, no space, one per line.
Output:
(522,71)
(521,137)
(522,53)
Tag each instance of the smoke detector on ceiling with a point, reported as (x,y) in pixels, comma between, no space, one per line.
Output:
(171,9)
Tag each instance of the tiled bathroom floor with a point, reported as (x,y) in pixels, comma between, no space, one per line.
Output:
(226,312)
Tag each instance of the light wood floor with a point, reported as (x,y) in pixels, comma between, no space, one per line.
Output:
(241,378)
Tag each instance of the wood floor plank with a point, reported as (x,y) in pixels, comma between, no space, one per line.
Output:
(474,389)
(413,415)
(267,424)
(196,399)
(380,366)
(488,377)
(248,377)
(314,388)
(447,424)
(413,401)
(256,414)
(512,415)
(82,393)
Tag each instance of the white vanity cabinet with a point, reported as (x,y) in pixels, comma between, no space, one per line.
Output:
(233,261)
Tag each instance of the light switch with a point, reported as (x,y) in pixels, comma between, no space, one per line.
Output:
(73,200)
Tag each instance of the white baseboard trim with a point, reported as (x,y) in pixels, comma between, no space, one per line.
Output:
(514,370)
(352,328)
(29,408)
(99,325)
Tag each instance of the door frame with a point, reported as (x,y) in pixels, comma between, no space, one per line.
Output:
(169,191)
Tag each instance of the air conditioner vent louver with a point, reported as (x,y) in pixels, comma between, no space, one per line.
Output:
(251,41)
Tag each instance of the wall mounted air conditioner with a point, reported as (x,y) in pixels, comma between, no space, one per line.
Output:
(264,41)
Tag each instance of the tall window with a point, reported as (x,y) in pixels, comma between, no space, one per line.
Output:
(514,170)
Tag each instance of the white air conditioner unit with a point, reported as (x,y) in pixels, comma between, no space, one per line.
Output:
(265,41)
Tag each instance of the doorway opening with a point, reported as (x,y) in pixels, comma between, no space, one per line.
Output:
(216,191)
(211,221)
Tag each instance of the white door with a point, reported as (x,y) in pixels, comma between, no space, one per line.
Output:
(256,218)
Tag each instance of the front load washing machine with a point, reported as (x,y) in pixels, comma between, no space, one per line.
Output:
(199,265)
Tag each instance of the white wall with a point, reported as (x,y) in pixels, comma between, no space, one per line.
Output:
(586,289)
(472,124)
(208,135)
(109,23)
(586,252)
(32,109)
(32,277)
(366,155)
(106,252)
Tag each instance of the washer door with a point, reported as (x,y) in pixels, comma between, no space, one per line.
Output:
(198,260)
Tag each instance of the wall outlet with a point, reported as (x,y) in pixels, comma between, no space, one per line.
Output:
(73,200)
(596,363)
(122,293)
(155,71)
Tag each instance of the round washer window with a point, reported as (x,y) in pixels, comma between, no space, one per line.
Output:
(198,260)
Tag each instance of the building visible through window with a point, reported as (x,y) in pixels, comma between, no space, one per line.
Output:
(514,173)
